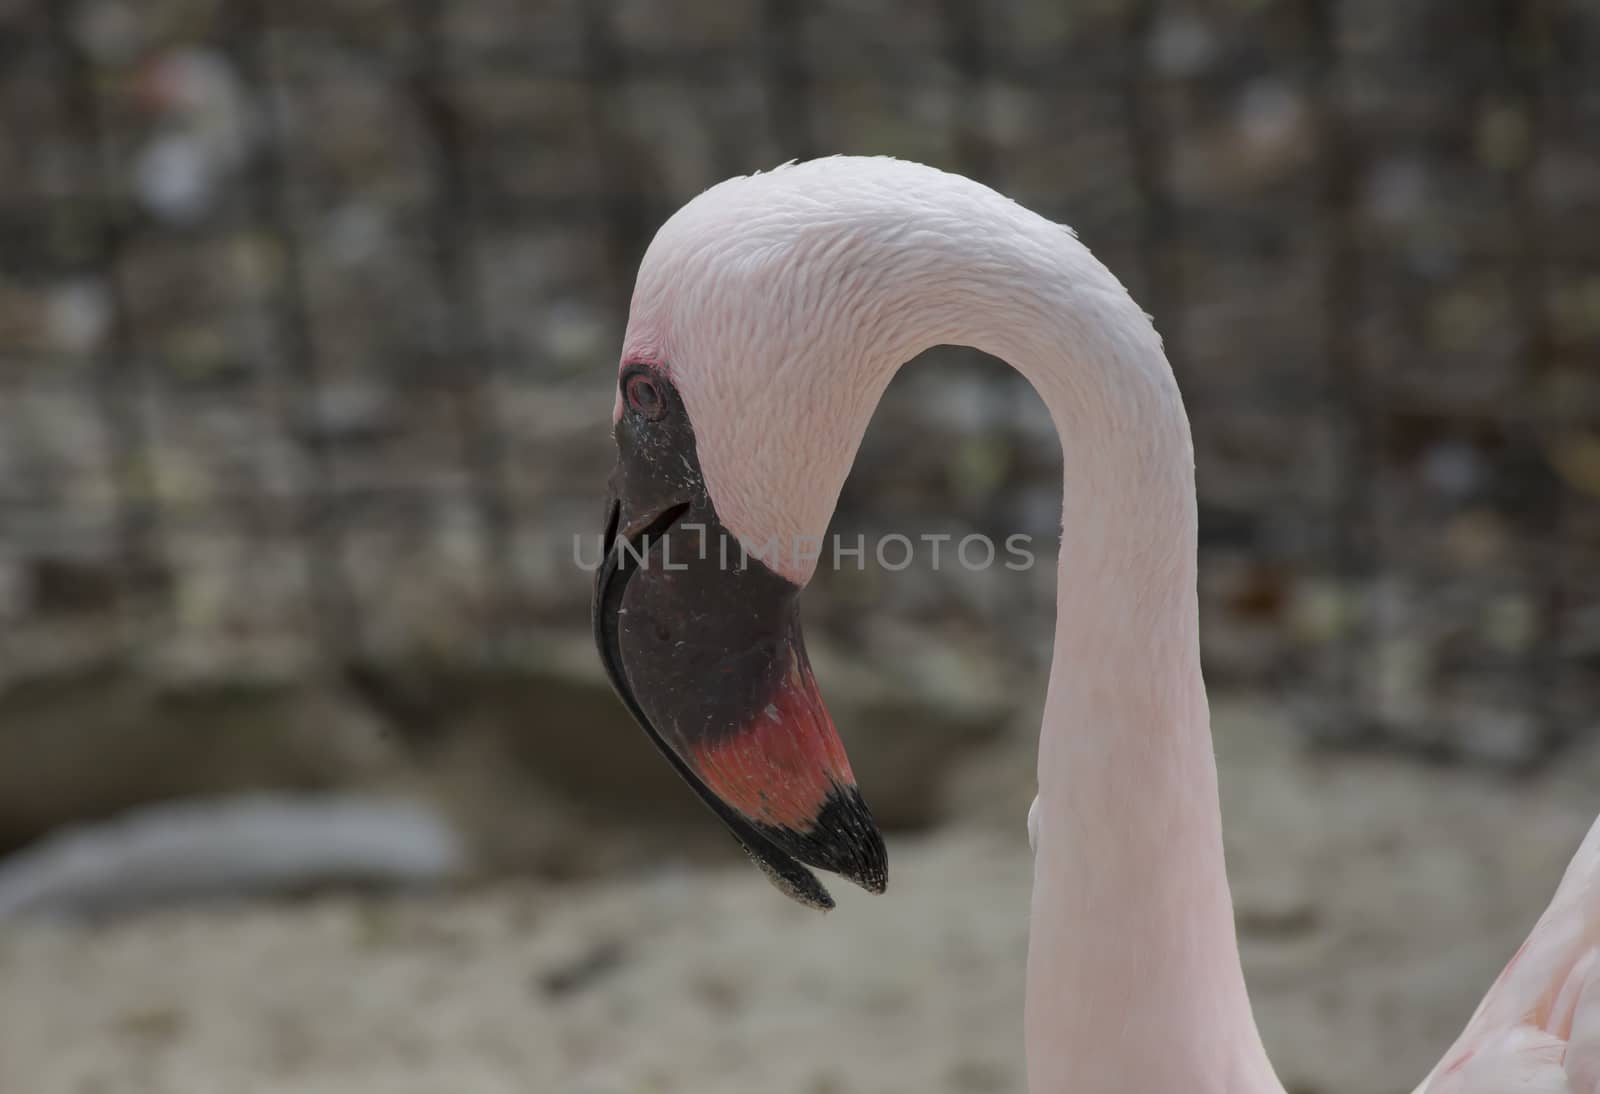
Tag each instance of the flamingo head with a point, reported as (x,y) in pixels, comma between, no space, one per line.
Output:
(701,638)
(739,409)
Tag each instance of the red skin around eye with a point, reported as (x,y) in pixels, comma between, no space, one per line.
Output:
(645,397)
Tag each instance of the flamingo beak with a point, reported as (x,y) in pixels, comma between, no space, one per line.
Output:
(703,645)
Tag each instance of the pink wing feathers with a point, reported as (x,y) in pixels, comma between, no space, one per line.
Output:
(1537,1031)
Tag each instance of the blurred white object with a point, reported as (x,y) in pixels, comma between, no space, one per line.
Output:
(79,315)
(206,135)
(1397,190)
(1272,116)
(229,848)
(1183,46)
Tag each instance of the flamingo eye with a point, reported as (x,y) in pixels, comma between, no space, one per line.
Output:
(644,396)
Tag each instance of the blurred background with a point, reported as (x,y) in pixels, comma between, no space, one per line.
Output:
(309,319)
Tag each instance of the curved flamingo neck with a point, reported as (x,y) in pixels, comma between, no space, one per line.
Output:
(784,303)
(1134,981)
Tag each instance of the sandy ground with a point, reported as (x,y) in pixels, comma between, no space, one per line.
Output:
(1376,901)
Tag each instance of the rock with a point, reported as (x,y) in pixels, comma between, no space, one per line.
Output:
(86,745)
(1183,46)
(228,849)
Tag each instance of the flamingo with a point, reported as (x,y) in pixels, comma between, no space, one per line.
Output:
(768,316)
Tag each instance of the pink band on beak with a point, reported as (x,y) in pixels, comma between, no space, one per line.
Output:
(780,769)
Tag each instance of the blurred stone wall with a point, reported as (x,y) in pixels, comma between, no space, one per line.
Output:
(309,314)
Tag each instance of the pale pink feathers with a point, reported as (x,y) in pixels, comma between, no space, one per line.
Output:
(1538,1028)
(782,304)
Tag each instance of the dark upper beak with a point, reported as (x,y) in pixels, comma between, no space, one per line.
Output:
(704,647)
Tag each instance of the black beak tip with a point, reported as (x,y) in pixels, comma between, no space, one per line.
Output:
(849,827)
(793,880)
(843,840)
